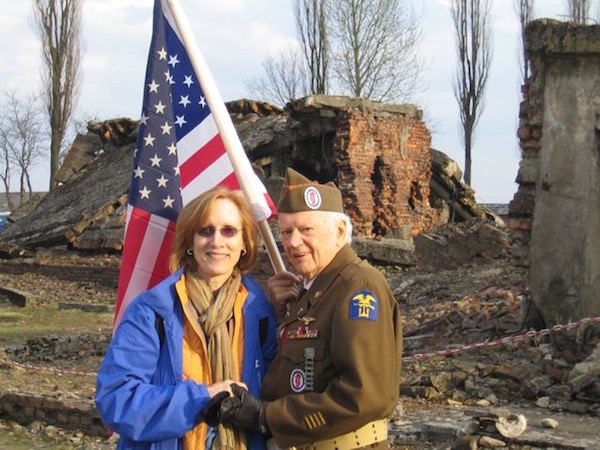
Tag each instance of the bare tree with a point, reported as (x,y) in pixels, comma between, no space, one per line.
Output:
(58,23)
(473,44)
(311,23)
(6,166)
(579,10)
(374,48)
(22,138)
(283,78)
(526,13)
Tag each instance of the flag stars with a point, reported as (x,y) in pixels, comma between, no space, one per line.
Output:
(153,87)
(176,169)
(169,77)
(185,100)
(188,81)
(172,149)
(162,181)
(145,193)
(144,119)
(168,202)
(149,140)
(166,128)
(180,120)
(173,61)
(160,108)
(155,161)
(138,172)
(162,54)
(202,101)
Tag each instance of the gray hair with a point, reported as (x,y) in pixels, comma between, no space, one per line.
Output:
(333,218)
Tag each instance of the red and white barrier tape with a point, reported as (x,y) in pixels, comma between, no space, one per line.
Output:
(504,340)
(414,357)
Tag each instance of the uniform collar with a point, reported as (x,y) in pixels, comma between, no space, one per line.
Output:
(322,281)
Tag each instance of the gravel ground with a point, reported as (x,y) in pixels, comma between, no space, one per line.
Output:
(466,288)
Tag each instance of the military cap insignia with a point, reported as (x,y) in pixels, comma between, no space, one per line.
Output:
(312,198)
(364,305)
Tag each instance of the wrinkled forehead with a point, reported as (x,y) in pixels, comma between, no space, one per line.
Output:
(314,219)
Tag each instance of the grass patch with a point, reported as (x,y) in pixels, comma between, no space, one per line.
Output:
(17,325)
(9,316)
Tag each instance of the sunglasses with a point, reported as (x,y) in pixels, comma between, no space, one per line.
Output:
(227,231)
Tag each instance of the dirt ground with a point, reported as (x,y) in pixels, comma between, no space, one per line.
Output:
(468,287)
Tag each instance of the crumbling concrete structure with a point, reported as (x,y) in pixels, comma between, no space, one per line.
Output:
(557,206)
(394,185)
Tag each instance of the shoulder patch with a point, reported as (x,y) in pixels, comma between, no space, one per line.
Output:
(364,305)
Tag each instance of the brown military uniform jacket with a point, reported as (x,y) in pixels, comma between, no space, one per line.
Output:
(338,365)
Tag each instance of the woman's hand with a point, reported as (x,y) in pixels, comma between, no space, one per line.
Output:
(223,386)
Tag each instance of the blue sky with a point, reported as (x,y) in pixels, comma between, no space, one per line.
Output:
(235,36)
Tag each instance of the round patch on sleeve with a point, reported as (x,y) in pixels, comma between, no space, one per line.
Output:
(364,305)
(297,380)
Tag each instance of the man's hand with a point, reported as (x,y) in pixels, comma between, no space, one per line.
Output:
(211,412)
(281,288)
(244,410)
(218,392)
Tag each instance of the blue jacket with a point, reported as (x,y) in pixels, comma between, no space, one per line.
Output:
(140,389)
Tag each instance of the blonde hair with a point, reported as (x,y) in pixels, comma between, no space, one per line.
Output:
(195,213)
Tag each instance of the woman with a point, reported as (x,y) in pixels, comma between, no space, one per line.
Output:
(191,336)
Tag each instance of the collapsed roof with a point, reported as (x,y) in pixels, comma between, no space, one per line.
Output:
(314,135)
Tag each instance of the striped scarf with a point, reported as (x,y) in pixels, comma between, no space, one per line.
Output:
(215,317)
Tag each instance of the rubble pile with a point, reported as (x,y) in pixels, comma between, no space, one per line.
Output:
(327,138)
(474,376)
(448,391)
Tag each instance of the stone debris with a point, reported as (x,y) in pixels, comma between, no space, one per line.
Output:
(511,426)
(490,442)
(549,423)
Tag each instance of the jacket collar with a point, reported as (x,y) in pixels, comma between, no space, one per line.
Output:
(324,280)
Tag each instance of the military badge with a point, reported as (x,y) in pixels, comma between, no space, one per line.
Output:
(364,305)
(303,332)
(297,380)
(312,198)
(309,367)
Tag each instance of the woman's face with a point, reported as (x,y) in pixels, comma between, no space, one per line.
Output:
(218,243)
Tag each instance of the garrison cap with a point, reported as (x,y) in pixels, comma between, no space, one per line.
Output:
(300,194)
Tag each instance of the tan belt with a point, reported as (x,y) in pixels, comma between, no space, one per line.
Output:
(370,433)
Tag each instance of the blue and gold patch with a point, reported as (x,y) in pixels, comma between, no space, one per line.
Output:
(364,306)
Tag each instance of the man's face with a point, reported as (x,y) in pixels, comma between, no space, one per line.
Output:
(310,241)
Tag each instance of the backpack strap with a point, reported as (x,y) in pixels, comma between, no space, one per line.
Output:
(160,329)
(263,328)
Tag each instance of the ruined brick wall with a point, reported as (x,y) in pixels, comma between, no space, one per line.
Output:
(56,352)
(68,413)
(556,210)
(383,160)
(520,215)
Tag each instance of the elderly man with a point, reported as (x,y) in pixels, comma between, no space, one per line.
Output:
(336,376)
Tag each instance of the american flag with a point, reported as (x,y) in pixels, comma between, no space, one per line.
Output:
(179,154)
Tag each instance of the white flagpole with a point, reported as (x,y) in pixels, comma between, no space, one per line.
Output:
(228,133)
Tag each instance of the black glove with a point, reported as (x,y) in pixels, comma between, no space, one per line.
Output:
(211,412)
(244,410)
